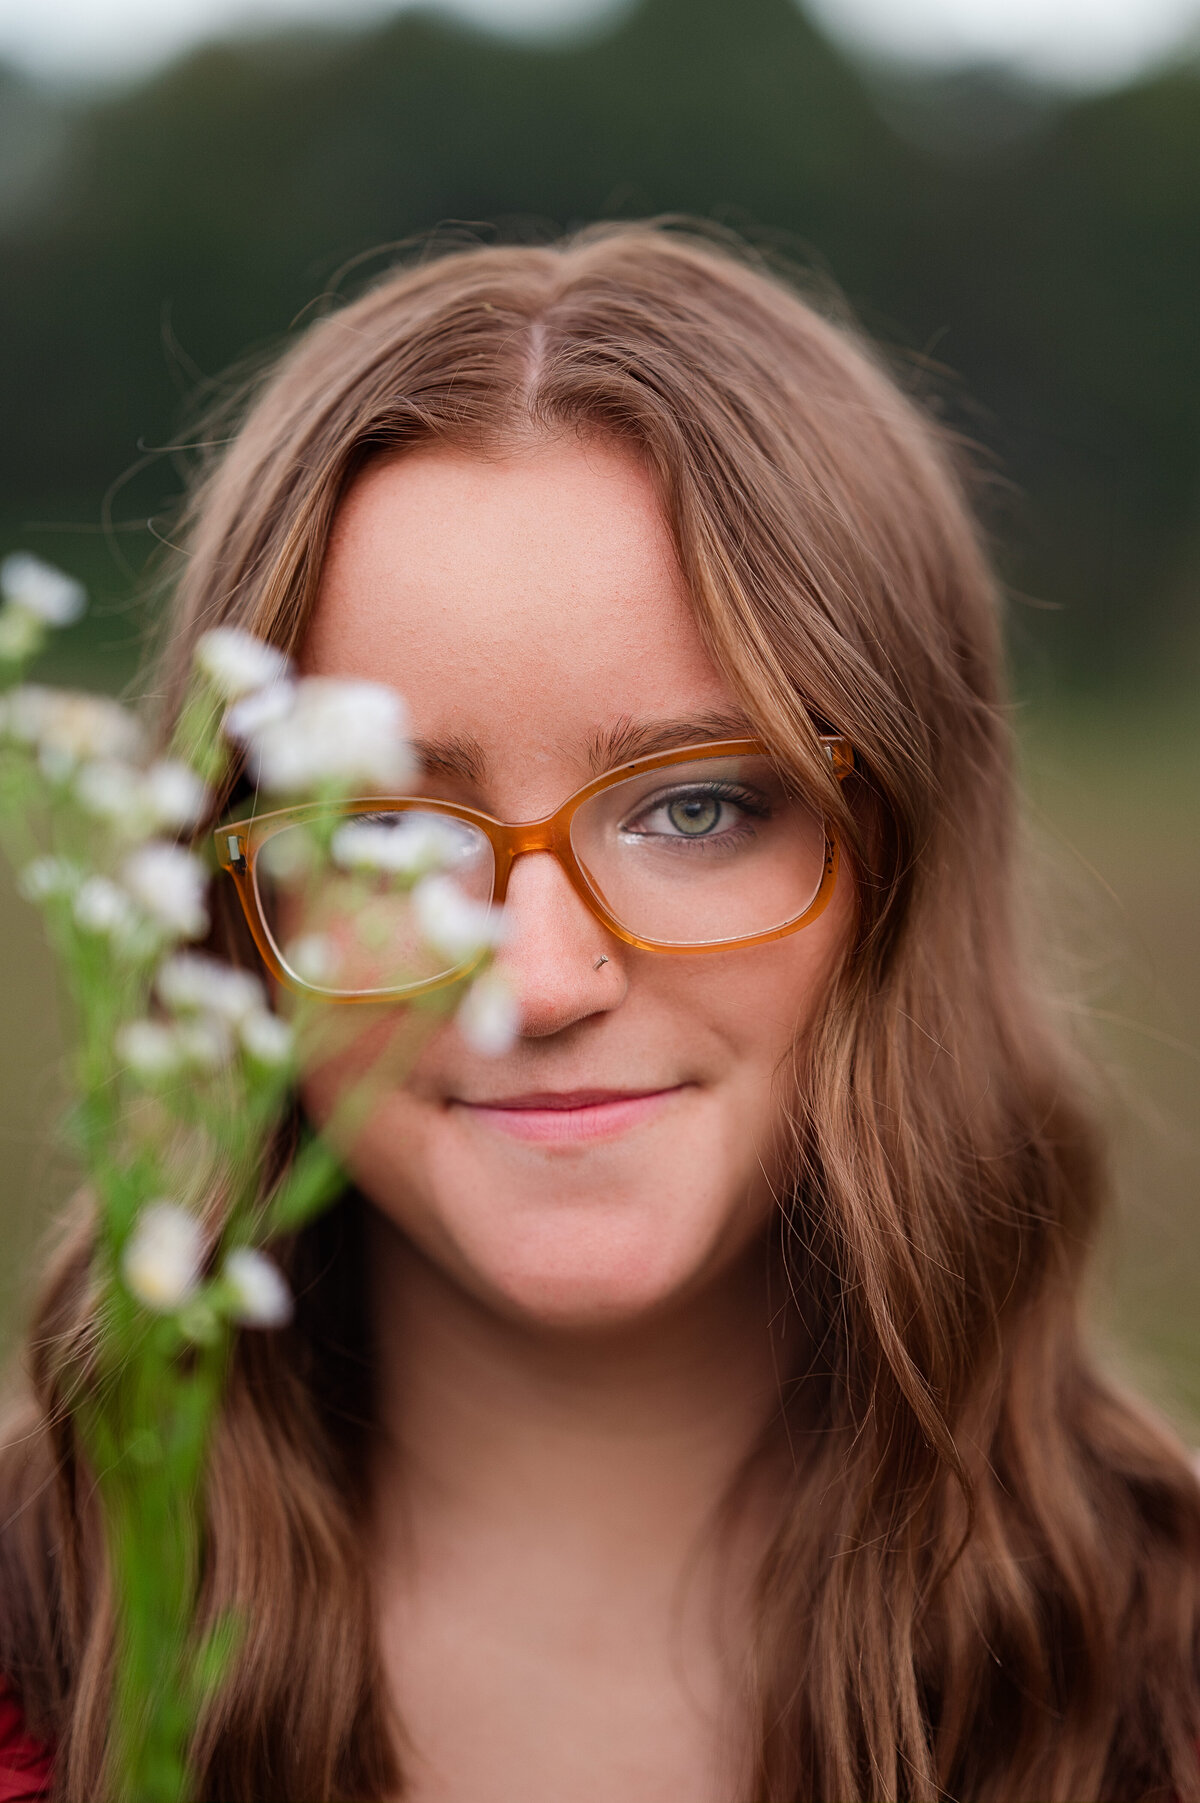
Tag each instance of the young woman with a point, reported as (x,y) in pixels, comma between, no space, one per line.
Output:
(691,1403)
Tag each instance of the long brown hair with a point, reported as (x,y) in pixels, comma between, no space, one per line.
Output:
(985,1580)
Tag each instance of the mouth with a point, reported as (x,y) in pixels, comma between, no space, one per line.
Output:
(560,1116)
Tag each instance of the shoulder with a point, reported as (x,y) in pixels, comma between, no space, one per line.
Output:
(25,1766)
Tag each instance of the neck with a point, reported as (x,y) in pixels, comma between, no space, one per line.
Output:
(557,1615)
(617,1445)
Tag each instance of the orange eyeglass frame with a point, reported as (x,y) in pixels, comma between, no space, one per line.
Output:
(239,843)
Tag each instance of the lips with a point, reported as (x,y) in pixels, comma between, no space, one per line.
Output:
(564,1115)
(568,1098)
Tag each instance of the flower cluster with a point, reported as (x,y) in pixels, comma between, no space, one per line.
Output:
(332,737)
(156,896)
(163,1266)
(322,733)
(117,878)
(212,1013)
(414,846)
(184,1069)
(33,596)
(120,881)
(67,729)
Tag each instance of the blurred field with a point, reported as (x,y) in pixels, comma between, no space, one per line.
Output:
(1116,801)
(1115,804)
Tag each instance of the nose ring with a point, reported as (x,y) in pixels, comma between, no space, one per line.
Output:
(602,959)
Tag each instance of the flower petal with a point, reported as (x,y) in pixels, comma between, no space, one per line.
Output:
(162,1257)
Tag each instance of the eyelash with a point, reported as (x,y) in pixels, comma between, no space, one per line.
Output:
(745,799)
(751,804)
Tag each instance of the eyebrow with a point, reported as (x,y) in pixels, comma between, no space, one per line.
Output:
(630,739)
(461,755)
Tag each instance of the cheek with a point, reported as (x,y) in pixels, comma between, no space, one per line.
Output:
(757,1006)
(603,1231)
(356,1060)
(763,1001)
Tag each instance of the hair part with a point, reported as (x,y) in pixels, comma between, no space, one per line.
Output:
(985,1577)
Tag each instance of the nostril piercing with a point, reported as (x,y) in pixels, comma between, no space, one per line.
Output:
(602,959)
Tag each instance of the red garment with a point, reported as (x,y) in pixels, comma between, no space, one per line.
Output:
(25,1765)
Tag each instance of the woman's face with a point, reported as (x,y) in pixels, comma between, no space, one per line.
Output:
(530,609)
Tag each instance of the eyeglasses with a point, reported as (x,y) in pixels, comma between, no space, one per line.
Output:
(698,850)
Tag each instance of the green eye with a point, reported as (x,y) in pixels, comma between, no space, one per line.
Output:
(694,815)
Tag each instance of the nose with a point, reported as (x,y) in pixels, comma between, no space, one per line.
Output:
(553,947)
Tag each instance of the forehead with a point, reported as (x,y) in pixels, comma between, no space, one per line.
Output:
(533,599)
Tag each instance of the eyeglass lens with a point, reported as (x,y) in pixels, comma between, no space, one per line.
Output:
(692,854)
(701,853)
(337,906)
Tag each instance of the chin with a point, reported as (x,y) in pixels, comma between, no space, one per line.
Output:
(590,1263)
(611,1281)
(567,1237)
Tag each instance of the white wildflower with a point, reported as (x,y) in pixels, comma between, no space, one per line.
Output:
(334,731)
(168,883)
(267,1039)
(236,663)
(162,1258)
(313,958)
(149,1048)
(21,635)
(87,726)
(192,983)
(489,1017)
(414,846)
(205,1041)
(258,710)
(37,588)
(110,791)
(173,796)
(50,878)
(169,794)
(452,923)
(71,728)
(261,1298)
(102,908)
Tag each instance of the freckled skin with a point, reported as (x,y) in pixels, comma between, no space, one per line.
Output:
(530,601)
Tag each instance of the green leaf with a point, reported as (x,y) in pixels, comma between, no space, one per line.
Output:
(314,1180)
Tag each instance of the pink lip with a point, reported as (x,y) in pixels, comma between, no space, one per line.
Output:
(565,1115)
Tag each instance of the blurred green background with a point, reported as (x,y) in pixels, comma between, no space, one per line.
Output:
(1028,256)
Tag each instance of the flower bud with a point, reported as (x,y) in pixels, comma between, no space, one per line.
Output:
(168,884)
(102,908)
(193,983)
(489,1017)
(149,1048)
(267,1039)
(236,663)
(452,923)
(110,791)
(174,796)
(38,589)
(331,731)
(161,1262)
(50,878)
(261,1298)
(313,958)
